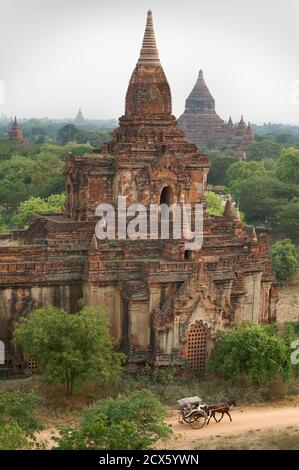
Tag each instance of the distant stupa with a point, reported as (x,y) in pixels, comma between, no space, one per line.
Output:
(16,133)
(205,128)
(80,119)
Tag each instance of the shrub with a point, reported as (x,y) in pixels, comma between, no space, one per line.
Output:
(20,408)
(214,203)
(284,259)
(132,422)
(18,420)
(252,352)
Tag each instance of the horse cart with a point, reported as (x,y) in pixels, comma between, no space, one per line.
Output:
(193,412)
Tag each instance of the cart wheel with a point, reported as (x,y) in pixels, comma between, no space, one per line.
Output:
(197,421)
(186,420)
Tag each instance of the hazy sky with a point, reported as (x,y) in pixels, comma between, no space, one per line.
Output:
(57,55)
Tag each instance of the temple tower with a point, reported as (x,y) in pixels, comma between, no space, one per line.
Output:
(203,126)
(16,133)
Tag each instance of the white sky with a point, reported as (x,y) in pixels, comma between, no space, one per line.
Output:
(57,55)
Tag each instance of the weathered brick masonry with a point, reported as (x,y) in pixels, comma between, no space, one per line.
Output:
(164,303)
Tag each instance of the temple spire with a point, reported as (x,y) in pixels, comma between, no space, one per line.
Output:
(230,122)
(242,124)
(149,52)
(200,98)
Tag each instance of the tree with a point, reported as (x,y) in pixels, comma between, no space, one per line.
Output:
(133,422)
(284,259)
(22,177)
(37,134)
(263,149)
(37,205)
(16,181)
(219,165)
(262,197)
(3,226)
(288,166)
(243,170)
(67,133)
(8,148)
(69,348)
(214,203)
(288,219)
(63,151)
(250,351)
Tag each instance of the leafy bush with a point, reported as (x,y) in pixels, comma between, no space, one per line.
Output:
(214,203)
(284,259)
(12,437)
(18,420)
(250,351)
(37,205)
(132,422)
(20,408)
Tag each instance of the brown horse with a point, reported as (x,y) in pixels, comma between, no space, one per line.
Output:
(220,408)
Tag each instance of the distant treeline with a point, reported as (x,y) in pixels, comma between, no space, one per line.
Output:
(39,131)
(270,128)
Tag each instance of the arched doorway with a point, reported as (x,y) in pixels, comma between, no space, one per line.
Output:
(197,347)
(188,255)
(166,196)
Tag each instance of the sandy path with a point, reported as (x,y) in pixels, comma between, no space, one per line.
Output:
(244,419)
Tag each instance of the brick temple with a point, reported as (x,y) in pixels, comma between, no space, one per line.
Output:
(16,133)
(165,303)
(203,126)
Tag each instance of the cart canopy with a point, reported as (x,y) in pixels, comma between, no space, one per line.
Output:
(189,401)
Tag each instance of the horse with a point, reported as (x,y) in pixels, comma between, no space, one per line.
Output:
(223,408)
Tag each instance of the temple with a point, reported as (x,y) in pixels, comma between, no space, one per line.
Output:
(203,126)
(16,133)
(80,119)
(166,303)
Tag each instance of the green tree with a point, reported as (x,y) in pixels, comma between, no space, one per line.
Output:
(243,170)
(262,197)
(16,181)
(67,133)
(3,226)
(284,259)
(69,348)
(133,422)
(37,205)
(63,151)
(288,166)
(219,165)
(37,135)
(214,203)
(288,219)
(8,148)
(22,177)
(263,149)
(250,351)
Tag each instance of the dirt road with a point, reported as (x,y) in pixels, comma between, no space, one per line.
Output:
(244,419)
